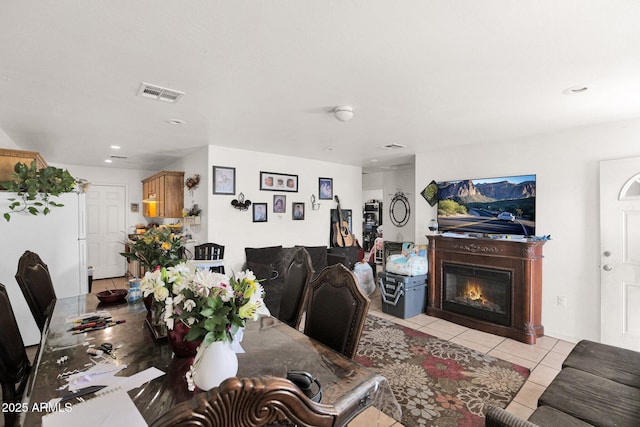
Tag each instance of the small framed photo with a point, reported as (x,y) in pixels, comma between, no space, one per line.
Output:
(279,204)
(272,181)
(224,180)
(325,189)
(259,212)
(297,210)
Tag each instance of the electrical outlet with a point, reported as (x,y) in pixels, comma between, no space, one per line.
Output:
(562,301)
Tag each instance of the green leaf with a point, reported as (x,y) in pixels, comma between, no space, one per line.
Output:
(7,216)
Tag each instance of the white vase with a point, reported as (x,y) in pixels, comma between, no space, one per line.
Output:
(213,364)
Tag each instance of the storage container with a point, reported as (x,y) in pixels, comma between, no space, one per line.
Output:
(402,296)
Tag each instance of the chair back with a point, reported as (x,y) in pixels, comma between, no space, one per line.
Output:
(336,310)
(248,402)
(296,282)
(35,282)
(14,362)
(210,251)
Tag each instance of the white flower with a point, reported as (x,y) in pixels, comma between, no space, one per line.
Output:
(188,305)
(190,321)
(160,293)
(246,274)
(150,281)
(168,312)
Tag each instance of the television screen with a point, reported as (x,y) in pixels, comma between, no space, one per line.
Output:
(505,205)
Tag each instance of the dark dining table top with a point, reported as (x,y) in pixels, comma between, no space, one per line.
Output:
(271,348)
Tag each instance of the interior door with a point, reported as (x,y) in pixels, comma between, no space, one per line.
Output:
(106,230)
(620,252)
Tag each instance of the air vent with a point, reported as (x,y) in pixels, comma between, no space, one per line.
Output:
(393,146)
(118,157)
(159,93)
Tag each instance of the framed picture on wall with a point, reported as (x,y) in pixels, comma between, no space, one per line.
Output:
(298,211)
(279,204)
(259,212)
(272,181)
(325,188)
(224,180)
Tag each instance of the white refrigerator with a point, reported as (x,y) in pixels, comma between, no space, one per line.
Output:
(59,238)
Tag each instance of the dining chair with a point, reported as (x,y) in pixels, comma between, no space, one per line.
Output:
(296,282)
(35,282)
(249,402)
(336,310)
(14,362)
(210,251)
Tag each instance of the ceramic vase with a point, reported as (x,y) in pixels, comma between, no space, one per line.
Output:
(213,364)
(179,346)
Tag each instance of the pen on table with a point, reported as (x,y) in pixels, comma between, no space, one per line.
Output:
(96,328)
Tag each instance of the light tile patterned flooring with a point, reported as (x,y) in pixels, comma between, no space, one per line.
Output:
(544,359)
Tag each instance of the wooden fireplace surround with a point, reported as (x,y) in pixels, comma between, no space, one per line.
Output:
(522,259)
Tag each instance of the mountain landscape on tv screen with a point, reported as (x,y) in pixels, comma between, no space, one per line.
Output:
(501,206)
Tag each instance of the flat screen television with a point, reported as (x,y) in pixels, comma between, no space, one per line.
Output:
(504,205)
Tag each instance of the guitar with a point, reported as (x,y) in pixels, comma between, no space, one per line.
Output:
(341,235)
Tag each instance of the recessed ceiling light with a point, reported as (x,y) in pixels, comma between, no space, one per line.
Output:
(393,146)
(115,147)
(108,161)
(575,90)
(176,122)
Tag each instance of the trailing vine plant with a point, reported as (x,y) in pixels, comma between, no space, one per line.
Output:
(34,188)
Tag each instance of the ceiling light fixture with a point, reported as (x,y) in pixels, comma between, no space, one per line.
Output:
(115,147)
(344,113)
(176,122)
(108,161)
(573,90)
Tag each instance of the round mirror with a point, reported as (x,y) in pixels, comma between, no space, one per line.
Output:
(399,210)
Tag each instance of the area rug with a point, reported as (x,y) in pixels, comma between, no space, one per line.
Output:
(437,382)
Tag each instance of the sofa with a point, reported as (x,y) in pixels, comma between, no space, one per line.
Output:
(598,385)
(269,264)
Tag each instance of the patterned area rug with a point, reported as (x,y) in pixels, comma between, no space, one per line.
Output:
(436,382)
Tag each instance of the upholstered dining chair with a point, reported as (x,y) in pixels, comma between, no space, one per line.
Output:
(249,402)
(35,282)
(336,309)
(210,251)
(14,362)
(296,282)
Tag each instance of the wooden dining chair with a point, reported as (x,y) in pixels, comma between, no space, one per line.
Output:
(296,283)
(336,309)
(35,282)
(14,362)
(210,251)
(249,402)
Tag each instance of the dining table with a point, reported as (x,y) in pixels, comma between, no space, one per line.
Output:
(271,348)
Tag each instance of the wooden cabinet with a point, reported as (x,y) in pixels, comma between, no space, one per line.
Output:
(9,158)
(163,195)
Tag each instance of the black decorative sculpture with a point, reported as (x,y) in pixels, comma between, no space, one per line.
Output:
(241,203)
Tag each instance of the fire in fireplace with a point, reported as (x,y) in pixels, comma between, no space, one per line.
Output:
(483,293)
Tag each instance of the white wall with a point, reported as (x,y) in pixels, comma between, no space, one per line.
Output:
(196,163)
(567,208)
(235,229)
(6,142)
(131,179)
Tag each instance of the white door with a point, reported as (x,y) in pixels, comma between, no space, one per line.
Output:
(106,230)
(620,252)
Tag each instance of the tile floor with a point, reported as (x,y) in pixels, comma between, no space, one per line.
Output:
(544,359)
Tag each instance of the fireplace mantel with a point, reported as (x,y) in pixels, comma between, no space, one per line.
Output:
(522,259)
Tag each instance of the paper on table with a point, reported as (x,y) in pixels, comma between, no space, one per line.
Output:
(111,409)
(134,381)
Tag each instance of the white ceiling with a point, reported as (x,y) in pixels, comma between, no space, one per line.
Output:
(264,75)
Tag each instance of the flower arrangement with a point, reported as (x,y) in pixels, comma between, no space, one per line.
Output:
(157,247)
(215,306)
(192,182)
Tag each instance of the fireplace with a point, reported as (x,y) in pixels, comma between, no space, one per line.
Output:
(487,284)
(483,293)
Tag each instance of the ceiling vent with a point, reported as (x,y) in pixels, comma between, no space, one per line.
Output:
(393,146)
(113,156)
(159,93)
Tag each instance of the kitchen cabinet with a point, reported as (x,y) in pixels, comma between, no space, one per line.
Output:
(163,195)
(9,158)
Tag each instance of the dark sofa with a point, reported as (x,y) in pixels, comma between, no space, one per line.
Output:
(598,385)
(269,264)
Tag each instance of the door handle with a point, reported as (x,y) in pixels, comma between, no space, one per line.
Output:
(607,267)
